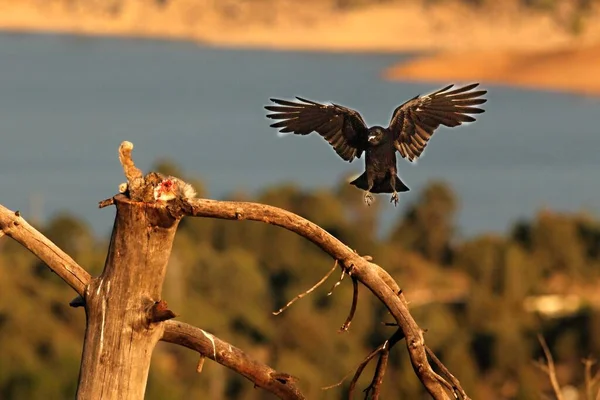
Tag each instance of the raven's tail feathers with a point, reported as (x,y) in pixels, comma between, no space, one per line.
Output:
(361,181)
(383,186)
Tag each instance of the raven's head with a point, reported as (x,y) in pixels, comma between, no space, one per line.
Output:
(376,135)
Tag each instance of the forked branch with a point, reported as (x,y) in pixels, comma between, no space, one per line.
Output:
(383,351)
(375,278)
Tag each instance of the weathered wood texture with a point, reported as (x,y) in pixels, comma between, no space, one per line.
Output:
(119,337)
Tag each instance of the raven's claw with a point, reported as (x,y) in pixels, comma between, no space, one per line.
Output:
(369,198)
(394,199)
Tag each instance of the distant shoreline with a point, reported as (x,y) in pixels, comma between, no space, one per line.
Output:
(574,71)
(506,46)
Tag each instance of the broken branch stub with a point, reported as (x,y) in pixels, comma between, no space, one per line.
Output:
(135,177)
(119,340)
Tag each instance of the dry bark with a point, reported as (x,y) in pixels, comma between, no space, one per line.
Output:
(120,304)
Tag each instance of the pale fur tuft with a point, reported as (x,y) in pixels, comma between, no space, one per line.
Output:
(188,191)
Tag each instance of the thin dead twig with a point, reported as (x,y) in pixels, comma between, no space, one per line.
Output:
(588,363)
(454,384)
(346,324)
(374,389)
(301,295)
(549,368)
(339,280)
(383,350)
(200,364)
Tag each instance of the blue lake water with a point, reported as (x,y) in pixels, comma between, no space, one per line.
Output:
(66,103)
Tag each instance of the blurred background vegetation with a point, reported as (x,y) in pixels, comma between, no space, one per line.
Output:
(482,300)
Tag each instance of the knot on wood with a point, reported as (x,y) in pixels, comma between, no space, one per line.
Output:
(284,378)
(160,312)
(239,214)
(415,343)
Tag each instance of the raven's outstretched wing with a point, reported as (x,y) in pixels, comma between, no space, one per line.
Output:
(342,127)
(414,122)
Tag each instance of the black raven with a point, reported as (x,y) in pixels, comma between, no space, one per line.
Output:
(409,131)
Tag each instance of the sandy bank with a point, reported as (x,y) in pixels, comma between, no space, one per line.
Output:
(567,70)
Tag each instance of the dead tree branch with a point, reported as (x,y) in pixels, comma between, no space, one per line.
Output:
(15,226)
(375,278)
(209,346)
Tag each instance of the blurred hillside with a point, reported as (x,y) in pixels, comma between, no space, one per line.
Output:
(542,44)
(482,301)
(337,25)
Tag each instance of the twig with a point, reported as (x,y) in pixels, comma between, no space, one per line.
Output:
(374,388)
(588,363)
(382,350)
(106,202)
(200,364)
(301,295)
(361,368)
(550,369)
(454,384)
(337,283)
(346,324)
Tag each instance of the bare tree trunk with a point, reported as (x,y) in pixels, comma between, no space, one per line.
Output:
(123,304)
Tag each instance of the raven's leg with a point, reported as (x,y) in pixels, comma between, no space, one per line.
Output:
(368,196)
(393,184)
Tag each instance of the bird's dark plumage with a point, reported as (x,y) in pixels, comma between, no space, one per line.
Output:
(342,127)
(411,126)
